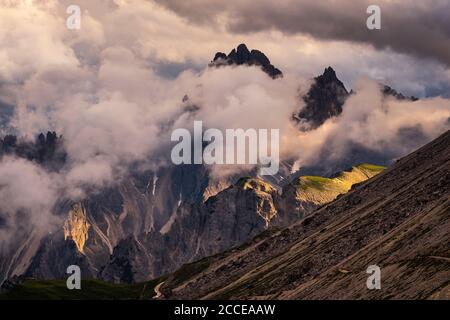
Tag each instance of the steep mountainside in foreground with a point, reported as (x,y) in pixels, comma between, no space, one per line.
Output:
(398,220)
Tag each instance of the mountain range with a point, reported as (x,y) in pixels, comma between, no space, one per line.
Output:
(155,221)
(397,220)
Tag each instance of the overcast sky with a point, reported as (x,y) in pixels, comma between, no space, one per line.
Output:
(411,52)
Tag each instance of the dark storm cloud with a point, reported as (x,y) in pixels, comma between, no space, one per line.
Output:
(419,28)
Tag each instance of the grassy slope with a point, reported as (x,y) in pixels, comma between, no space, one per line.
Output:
(90,289)
(322,190)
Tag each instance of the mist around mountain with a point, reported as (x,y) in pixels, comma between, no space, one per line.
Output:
(113,204)
(242,56)
(397,220)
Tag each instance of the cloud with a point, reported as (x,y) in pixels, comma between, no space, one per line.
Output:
(165,41)
(387,126)
(27,196)
(244,97)
(421,29)
(102,89)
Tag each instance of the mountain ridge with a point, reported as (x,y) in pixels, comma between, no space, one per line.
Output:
(229,218)
(124,220)
(398,220)
(313,258)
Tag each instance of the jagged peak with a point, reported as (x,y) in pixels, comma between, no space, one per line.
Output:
(220,55)
(329,73)
(243,56)
(329,76)
(324,100)
(242,51)
(242,48)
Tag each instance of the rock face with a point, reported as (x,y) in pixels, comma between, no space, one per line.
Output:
(324,99)
(129,263)
(225,220)
(160,207)
(76,227)
(53,257)
(123,235)
(242,56)
(398,220)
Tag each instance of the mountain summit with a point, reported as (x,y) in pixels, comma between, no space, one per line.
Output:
(243,56)
(324,99)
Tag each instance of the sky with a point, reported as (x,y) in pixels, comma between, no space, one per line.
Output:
(113,88)
(411,52)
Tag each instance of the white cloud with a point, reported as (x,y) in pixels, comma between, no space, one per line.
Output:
(99,89)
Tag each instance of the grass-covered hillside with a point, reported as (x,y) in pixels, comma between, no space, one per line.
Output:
(320,190)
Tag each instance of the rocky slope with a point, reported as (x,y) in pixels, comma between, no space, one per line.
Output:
(398,220)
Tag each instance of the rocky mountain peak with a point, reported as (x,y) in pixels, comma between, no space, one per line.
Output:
(243,56)
(324,99)
(329,75)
